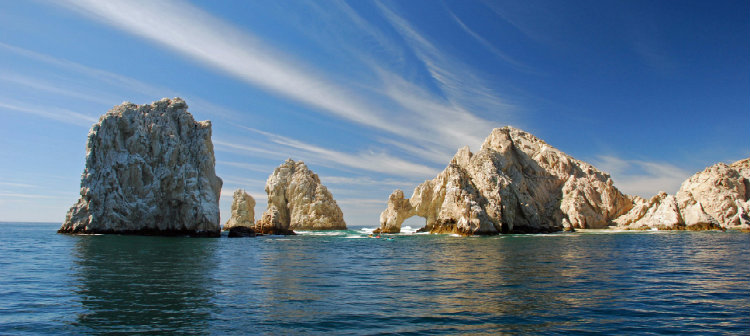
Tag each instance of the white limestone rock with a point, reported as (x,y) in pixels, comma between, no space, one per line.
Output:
(397,211)
(514,183)
(149,170)
(661,212)
(243,211)
(717,195)
(297,200)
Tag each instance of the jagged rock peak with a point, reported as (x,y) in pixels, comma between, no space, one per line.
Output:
(514,183)
(243,211)
(149,170)
(297,200)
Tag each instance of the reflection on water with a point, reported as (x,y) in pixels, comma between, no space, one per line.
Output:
(572,283)
(145,284)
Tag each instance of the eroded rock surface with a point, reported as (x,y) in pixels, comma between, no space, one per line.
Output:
(297,200)
(717,195)
(716,198)
(149,170)
(514,183)
(243,211)
(661,211)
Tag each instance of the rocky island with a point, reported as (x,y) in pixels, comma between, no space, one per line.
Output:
(297,200)
(517,183)
(149,170)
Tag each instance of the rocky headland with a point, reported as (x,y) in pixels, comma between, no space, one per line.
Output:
(149,170)
(297,200)
(517,183)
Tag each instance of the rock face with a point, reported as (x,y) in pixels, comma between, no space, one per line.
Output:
(514,183)
(149,170)
(715,198)
(660,211)
(243,211)
(398,210)
(717,195)
(298,201)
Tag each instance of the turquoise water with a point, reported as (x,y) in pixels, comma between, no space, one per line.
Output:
(346,283)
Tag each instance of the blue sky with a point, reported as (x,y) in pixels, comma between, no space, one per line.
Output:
(375,95)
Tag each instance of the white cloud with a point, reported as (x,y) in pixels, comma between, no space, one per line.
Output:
(642,178)
(200,36)
(446,121)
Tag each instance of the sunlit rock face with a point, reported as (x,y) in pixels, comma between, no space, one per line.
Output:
(242,211)
(514,183)
(716,198)
(149,170)
(297,200)
(717,195)
(660,211)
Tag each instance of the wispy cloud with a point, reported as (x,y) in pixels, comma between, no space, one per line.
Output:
(247,166)
(446,120)
(463,91)
(54,113)
(491,47)
(100,75)
(200,36)
(371,161)
(642,178)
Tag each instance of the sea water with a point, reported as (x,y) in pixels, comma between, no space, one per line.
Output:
(344,282)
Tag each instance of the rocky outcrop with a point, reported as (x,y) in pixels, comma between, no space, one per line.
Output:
(661,211)
(514,183)
(298,201)
(717,195)
(398,210)
(243,211)
(716,198)
(149,170)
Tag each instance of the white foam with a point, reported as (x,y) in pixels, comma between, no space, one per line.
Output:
(367,230)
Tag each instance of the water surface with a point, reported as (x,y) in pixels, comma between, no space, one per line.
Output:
(345,283)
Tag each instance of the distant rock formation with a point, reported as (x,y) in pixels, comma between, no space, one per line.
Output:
(243,211)
(298,201)
(661,212)
(149,170)
(515,183)
(716,198)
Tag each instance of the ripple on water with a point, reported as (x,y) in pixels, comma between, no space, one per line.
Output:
(329,282)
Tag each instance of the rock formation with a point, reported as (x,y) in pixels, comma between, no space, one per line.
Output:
(514,183)
(719,194)
(298,201)
(661,212)
(149,170)
(243,211)
(715,198)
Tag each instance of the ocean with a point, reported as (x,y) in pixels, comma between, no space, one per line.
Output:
(343,282)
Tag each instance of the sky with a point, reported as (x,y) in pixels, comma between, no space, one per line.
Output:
(375,95)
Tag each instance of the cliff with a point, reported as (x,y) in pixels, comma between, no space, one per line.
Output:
(149,170)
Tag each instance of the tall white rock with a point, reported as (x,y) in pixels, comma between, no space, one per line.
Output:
(149,170)
(243,211)
(297,200)
(514,183)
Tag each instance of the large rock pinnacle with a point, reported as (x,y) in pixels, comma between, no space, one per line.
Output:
(149,170)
